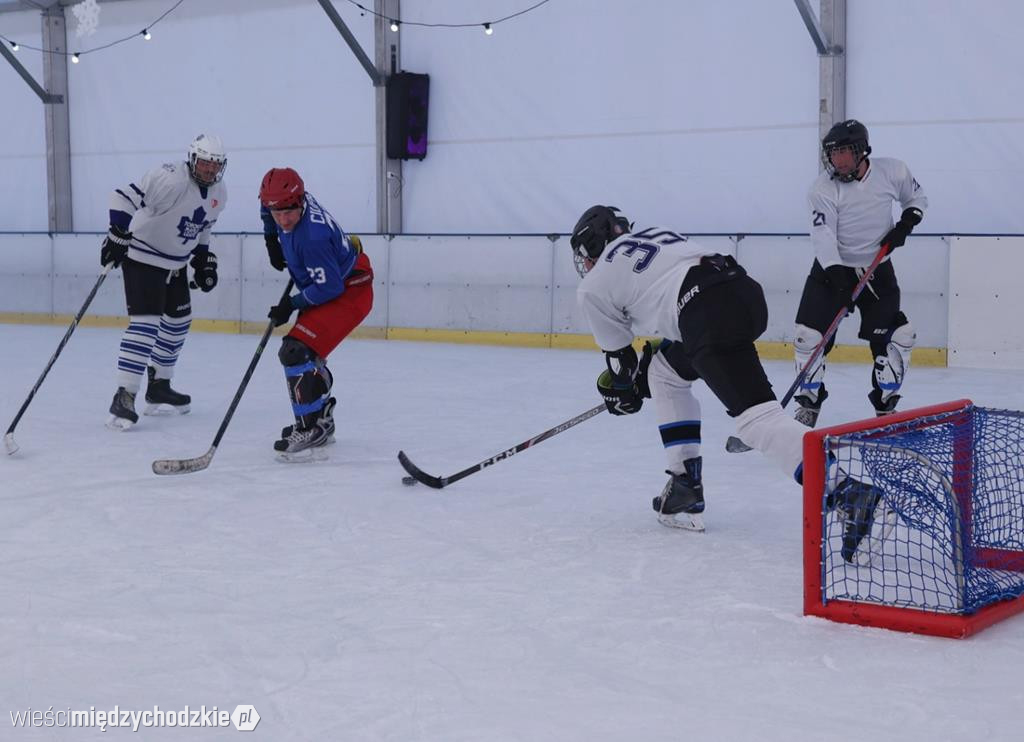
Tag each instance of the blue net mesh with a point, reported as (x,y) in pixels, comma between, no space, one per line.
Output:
(926,514)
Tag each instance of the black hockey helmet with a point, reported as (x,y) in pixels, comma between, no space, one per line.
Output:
(846,134)
(594,230)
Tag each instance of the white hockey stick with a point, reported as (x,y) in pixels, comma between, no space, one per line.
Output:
(188,466)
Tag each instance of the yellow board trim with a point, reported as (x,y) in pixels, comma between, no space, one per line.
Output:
(769,351)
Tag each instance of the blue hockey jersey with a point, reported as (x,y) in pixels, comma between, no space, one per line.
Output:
(318,253)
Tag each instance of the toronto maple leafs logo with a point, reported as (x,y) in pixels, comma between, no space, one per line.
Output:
(189,229)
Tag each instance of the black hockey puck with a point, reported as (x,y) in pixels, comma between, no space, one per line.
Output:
(408,481)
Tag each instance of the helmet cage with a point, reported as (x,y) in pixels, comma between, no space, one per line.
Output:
(598,226)
(851,136)
(208,149)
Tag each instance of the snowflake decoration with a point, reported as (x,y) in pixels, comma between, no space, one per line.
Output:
(87,13)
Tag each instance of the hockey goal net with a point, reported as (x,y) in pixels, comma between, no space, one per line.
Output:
(945,551)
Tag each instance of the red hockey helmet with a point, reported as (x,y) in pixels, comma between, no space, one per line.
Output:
(282,188)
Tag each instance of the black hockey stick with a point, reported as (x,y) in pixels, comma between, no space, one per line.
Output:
(439,482)
(9,442)
(187,466)
(734,444)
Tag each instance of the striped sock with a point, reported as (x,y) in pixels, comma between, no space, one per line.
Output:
(169,340)
(136,346)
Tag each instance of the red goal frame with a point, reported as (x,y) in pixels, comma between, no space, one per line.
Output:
(883,616)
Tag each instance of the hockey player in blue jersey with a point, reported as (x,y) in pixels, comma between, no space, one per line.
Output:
(335,293)
(159,225)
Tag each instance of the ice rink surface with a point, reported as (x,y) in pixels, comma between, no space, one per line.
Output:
(538,599)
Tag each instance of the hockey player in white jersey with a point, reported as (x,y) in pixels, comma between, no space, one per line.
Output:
(851,206)
(709,311)
(158,225)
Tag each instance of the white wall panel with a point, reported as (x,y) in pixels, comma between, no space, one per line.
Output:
(25,264)
(76,266)
(985,329)
(483,283)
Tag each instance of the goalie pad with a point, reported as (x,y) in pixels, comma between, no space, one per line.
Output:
(804,344)
(891,366)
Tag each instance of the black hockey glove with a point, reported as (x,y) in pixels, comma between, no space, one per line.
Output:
(282,311)
(843,281)
(274,251)
(897,236)
(204,267)
(115,247)
(623,385)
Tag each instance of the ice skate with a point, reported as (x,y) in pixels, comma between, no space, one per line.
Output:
(883,407)
(122,410)
(161,399)
(303,445)
(681,503)
(867,521)
(808,409)
(326,420)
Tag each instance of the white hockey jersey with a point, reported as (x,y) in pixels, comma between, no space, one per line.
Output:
(170,214)
(848,220)
(633,288)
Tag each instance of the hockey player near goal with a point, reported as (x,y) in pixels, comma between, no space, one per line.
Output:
(851,216)
(335,282)
(709,311)
(156,225)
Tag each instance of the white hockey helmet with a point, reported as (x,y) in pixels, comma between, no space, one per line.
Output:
(207,148)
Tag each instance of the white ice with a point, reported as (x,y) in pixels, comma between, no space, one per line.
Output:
(535,600)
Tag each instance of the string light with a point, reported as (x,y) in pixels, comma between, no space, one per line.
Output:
(76,57)
(488,26)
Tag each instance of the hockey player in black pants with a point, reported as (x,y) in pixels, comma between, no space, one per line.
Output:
(709,311)
(159,226)
(851,216)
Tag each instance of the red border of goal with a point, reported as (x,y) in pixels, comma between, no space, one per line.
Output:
(890,617)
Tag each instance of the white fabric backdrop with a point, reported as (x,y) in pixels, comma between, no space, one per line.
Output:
(700,115)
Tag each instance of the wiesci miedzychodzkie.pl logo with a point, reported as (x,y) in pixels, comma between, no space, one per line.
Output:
(189,229)
(244,718)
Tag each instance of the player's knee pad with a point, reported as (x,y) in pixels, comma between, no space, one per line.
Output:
(309,381)
(805,341)
(892,360)
(294,352)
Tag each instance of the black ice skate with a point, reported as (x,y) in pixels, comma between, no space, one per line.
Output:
(159,392)
(122,410)
(886,407)
(859,506)
(808,410)
(326,419)
(682,501)
(302,443)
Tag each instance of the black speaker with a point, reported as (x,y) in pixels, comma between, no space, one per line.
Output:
(408,94)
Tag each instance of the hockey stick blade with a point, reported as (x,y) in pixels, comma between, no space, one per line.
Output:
(419,475)
(184,466)
(9,444)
